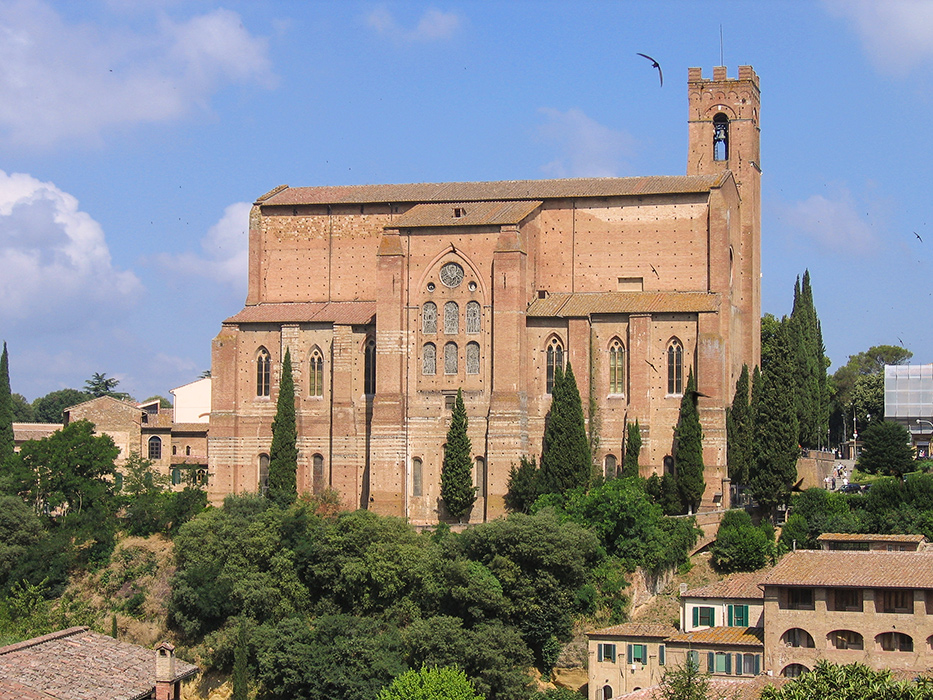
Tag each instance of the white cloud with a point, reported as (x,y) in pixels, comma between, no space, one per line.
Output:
(62,80)
(57,271)
(835,223)
(897,34)
(434,25)
(587,148)
(225,255)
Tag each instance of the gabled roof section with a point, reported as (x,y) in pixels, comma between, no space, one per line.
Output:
(105,399)
(581,305)
(77,663)
(743,585)
(344,313)
(500,190)
(465,214)
(853,569)
(732,636)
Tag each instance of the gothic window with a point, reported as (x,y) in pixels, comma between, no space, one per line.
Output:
(472,317)
(316,373)
(429,359)
(720,137)
(187,450)
(416,476)
(555,359)
(200,477)
(450,358)
(155,448)
(451,318)
(472,358)
(263,373)
(610,467)
(369,367)
(616,367)
(317,473)
(263,474)
(675,367)
(429,318)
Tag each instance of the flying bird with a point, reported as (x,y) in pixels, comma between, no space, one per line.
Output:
(654,64)
(918,236)
(651,365)
(654,271)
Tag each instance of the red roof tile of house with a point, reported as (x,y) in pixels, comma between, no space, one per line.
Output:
(862,537)
(734,636)
(853,569)
(347,313)
(743,585)
(75,664)
(635,629)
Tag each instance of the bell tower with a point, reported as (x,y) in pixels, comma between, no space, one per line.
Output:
(724,134)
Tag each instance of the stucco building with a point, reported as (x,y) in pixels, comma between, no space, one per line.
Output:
(390,298)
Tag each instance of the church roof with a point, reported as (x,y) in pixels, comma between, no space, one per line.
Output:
(345,313)
(488,191)
(585,303)
(466,214)
(853,569)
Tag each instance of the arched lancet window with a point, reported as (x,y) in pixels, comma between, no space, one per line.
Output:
(187,450)
(200,477)
(720,137)
(610,466)
(555,359)
(369,367)
(797,637)
(846,639)
(316,373)
(450,358)
(155,448)
(429,359)
(480,477)
(616,367)
(451,318)
(472,358)
(416,477)
(429,318)
(174,449)
(317,473)
(794,671)
(263,373)
(675,367)
(607,692)
(473,317)
(263,473)
(895,641)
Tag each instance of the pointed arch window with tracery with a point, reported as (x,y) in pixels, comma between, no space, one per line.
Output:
(472,358)
(451,318)
(429,318)
(450,358)
(316,373)
(616,367)
(263,373)
(555,359)
(429,359)
(675,367)
(473,317)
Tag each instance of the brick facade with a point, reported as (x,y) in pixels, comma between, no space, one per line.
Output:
(343,276)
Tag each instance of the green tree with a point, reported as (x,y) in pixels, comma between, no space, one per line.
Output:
(688,453)
(886,449)
(632,449)
(566,461)
(49,407)
(163,402)
(20,529)
(851,682)
(240,676)
(740,546)
(684,682)
(844,380)
(812,400)
(101,385)
(23,412)
(7,441)
(283,455)
(457,490)
(775,428)
(444,683)
(739,431)
(522,488)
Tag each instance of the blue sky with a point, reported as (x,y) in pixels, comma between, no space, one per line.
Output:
(135,133)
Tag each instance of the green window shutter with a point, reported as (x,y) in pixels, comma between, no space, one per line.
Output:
(731,616)
(757,664)
(696,616)
(599,652)
(711,662)
(728,663)
(628,652)
(738,664)
(662,653)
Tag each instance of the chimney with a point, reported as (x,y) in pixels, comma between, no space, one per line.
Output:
(165,687)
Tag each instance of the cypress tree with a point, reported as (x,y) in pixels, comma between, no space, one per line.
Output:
(566,461)
(810,363)
(7,442)
(240,679)
(457,489)
(688,456)
(632,449)
(739,431)
(283,455)
(775,431)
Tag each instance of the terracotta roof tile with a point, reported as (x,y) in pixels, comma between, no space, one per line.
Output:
(190,428)
(583,304)
(635,629)
(862,537)
(34,431)
(743,585)
(470,214)
(502,190)
(733,636)
(853,569)
(76,663)
(348,313)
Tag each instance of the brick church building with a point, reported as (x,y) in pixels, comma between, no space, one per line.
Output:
(392,297)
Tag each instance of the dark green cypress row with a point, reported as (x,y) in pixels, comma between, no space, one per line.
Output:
(632,449)
(739,431)
(7,442)
(457,489)
(688,457)
(283,455)
(240,678)
(566,461)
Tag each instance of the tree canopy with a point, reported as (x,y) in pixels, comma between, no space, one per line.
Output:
(632,449)
(851,682)
(886,449)
(49,408)
(444,683)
